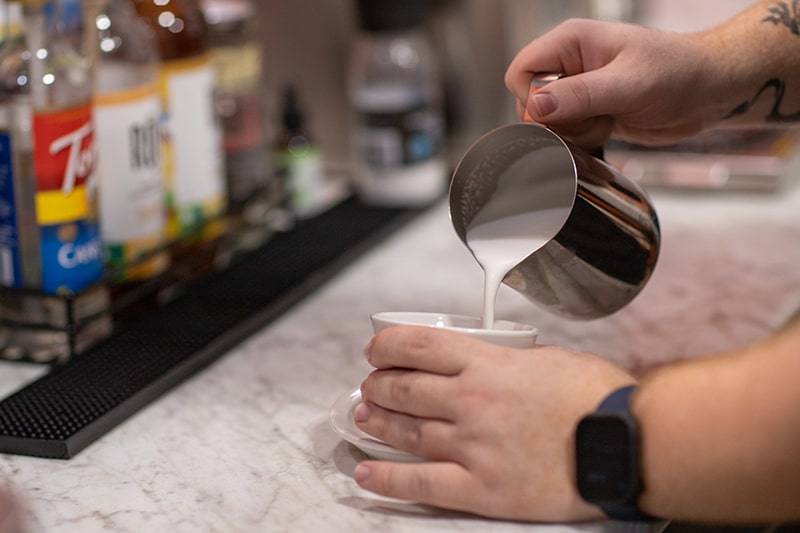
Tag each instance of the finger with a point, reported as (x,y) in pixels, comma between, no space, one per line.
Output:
(589,134)
(411,392)
(425,437)
(522,113)
(579,98)
(559,50)
(426,348)
(446,485)
(535,57)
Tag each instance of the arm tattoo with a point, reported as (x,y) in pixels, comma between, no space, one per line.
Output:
(785,14)
(781,14)
(775,114)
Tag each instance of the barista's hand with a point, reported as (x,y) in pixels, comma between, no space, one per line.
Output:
(9,513)
(640,84)
(497,423)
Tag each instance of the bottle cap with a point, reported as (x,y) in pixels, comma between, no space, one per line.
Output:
(292,116)
(389,15)
(227,11)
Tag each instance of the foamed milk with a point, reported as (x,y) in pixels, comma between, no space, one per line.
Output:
(501,244)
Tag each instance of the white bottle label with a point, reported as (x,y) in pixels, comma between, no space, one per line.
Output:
(193,148)
(129,165)
(397,127)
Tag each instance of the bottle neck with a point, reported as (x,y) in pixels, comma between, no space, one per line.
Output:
(179,27)
(11,27)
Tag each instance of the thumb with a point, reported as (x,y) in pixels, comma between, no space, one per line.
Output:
(572,110)
(575,99)
(436,483)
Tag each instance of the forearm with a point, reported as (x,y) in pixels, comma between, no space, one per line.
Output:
(753,66)
(721,435)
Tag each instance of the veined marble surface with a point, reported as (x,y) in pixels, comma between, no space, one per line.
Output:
(245,446)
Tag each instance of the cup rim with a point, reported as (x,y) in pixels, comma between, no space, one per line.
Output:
(510,329)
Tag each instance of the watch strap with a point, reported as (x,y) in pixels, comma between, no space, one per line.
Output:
(619,401)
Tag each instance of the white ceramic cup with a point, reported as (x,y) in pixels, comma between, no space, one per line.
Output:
(504,333)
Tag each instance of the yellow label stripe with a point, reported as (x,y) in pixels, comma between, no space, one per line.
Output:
(55,207)
(126,96)
(178,65)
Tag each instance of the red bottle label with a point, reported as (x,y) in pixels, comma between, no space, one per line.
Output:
(64,159)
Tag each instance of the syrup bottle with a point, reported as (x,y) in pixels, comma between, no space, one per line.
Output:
(298,161)
(236,52)
(254,194)
(193,151)
(127,115)
(50,239)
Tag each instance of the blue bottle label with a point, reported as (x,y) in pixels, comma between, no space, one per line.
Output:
(72,256)
(10,261)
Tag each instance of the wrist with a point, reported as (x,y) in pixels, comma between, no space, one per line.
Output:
(607,455)
(718,82)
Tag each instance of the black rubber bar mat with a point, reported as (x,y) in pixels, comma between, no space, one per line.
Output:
(76,403)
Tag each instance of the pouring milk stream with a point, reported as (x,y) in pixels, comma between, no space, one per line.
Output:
(499,245)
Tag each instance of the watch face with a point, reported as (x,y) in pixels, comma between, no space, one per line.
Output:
(606,459)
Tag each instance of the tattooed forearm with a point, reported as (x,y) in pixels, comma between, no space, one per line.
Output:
(775,114)
(785,14)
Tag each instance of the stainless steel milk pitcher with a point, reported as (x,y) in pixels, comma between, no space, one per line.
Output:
(606,249)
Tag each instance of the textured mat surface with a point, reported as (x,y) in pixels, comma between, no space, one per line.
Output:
(76,403)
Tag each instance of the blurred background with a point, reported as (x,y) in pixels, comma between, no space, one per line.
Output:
(276,110)
(308,43)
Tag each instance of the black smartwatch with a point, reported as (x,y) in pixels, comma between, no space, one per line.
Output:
(607,455)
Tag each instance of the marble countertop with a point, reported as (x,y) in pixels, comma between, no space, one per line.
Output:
(246,445)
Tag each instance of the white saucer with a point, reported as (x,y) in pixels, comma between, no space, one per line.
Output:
(343,423)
